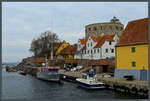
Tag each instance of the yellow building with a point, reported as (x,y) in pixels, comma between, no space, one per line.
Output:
(69,51)
(61,47)
(132,51)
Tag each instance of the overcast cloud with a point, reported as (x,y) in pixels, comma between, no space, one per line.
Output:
(21,22)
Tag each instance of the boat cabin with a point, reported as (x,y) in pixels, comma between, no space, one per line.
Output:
(49,69)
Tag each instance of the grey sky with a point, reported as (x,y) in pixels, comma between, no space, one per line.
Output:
(21,22)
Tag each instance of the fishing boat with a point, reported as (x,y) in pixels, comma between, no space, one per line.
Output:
(50,73)
(89,81)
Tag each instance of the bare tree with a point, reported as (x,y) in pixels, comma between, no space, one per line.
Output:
(43,45)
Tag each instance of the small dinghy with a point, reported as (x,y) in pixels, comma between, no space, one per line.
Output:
(22,73)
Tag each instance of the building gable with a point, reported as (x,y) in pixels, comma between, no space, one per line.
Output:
(136,32)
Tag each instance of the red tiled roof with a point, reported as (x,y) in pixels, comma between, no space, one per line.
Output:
(83,41)
(96,38)
(136,32)
(100,62)
(69,50)
(38,60)
(103,39)
(71,61)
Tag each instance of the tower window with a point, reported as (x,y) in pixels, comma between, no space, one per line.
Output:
(89,29)
(110,27)
(116,27)
(95,28)
(121,28)
(102,27)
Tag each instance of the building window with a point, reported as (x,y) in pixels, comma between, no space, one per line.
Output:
(97,50)
(89,29)
(85,51)
(116,27)
(88,44)
(106,50)
(88,51)
(133,49)
(110,27)
(109,42)
(95,28)
(91,51)
(79,46)
(112,50)
(102,27)
(133,63)
(94,50)
(91,43)
(121,28)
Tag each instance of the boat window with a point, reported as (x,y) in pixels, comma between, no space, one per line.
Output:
(84,76)
(53,70)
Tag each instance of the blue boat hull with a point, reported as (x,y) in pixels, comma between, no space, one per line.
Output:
(88,86)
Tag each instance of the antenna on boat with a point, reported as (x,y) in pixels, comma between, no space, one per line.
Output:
(52,38)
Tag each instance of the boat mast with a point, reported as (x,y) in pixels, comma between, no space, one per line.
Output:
(52,42)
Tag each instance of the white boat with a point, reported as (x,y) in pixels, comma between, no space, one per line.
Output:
(89,81)
(49,73)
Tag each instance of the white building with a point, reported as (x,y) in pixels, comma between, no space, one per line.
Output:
(80,45)
(97,47)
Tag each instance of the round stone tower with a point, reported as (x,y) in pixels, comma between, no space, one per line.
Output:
(98,29)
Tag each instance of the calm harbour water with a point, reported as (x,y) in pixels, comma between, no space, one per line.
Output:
(15,86)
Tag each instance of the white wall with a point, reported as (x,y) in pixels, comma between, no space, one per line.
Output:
(102,54)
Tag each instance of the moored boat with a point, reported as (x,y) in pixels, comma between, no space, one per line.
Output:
(22,73)
(50,73)
(89,81)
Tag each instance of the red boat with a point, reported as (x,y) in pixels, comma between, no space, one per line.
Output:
(22,73)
